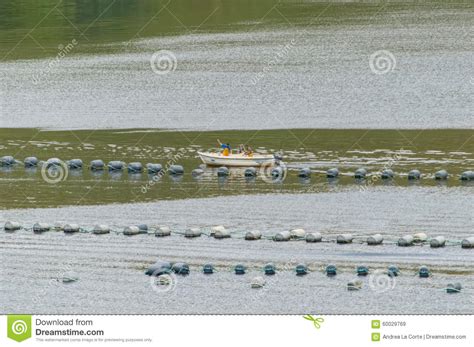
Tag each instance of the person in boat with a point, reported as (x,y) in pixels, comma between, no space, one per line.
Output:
(249,152)
(225,148)
(241,149)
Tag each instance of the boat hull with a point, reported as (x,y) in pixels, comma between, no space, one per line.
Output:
(215,159)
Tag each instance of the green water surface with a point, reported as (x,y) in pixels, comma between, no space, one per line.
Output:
(41,28)
(401,151)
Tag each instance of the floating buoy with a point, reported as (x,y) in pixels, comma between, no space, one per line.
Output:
(314,237)
(360,173)
(115,165)
(180,268)
(208,269)
(453,288)
(332,173)
(269,269)
(376,239)
(159,268)
(101,229)
(75,164)
(163,231)
(441,175)
(253,235)
(59,226)
(405,241)
(282,236)
(257,282)
(97,165)
(164,280)
(52,162)
(301,269)
(69,277)
(41,227)
(414,175)
(387,174)
(344,238)
(12,226)
(297,233)
(176,170)
(393,271)
(467,176)
(331,270)
(143,228)
(250,172)
(152,168)
(239,269)
(221,233)
(438,241)
(7,160)
(71,228)
(468,242)
(217,228)
(135,167)
(354,285)
(304,172)
(192,232)
(424,272)
(420,237)
(31,162)
(277,172)
(223,171)
(197,172)
(131,230)
(362,270)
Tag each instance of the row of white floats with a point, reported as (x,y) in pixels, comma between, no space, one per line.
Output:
(220,232)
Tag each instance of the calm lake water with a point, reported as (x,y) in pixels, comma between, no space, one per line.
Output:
(250,65)
(314,80)
(110,267)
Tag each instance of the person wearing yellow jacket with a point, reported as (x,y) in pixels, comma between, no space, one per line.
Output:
(225,147)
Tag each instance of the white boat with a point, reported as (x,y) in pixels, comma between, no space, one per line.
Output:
(240,159)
